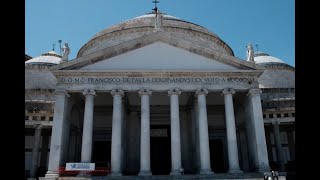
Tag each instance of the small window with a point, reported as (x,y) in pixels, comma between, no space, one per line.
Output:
(43,118)
(293,114)
(50,118)
(264,116)
(34,117)
(278,115)
(286,115)
(26,117)
(270,115)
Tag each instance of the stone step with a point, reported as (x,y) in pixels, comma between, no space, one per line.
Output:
(220,176)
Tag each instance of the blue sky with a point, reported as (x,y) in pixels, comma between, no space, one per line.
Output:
(268,23)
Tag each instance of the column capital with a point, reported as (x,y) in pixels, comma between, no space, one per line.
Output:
(202,91)
(228,91)
(37,126)
(61,92)
(253,92)
(89,92)
(145,92)
(174,91)
(275,121)
(117,92)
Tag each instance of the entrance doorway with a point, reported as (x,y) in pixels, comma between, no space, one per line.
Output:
(217,156)
(101,153)
(160,149)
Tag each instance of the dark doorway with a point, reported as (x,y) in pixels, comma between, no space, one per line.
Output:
(160,148)
(217,156)
(101,153)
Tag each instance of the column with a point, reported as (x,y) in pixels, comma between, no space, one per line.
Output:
(175,132)
(123,144)
(86,148)
(244,150)
(44,150)
(204,151)
(35,151)
(277,141)
(116,133)
(268,141)
(59,115)
(145,133)
(231,132)
(261,153)
(291,145)
(196,131)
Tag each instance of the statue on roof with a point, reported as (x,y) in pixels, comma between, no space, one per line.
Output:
(250,53)
(65,52)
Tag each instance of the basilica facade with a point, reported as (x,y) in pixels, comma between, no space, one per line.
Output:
(157,95)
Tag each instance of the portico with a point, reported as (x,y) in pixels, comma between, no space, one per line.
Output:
(126,97)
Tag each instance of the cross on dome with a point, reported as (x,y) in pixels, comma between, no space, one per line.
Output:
(155,9)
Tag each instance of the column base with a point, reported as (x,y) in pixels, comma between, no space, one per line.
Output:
(48,178)
(83,174)
(145,173)
(206,171)
(263,169)
(175,172)
(115,174)
(50,175)
(283,173)
(234,171)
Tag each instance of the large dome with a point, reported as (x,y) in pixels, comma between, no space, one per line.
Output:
(144,25)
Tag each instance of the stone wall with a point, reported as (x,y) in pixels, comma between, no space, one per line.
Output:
(275,78)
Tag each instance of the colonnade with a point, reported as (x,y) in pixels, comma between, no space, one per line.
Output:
(117,120)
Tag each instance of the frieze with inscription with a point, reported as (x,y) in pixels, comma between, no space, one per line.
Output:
(156,80)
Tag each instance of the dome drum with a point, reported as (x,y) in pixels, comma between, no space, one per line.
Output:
(144,25)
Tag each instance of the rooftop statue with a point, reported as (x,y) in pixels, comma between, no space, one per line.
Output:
(250,53)
(65,52)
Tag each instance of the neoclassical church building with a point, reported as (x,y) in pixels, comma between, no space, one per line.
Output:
(158,95)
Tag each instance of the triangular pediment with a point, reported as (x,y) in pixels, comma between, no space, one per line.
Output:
(157,51)
(158,56)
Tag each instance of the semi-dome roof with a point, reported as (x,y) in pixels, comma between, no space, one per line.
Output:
(144,25)
(48,58)
(261,57)
(277,74)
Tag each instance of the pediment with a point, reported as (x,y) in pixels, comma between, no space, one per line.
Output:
(157,51)
(158,56)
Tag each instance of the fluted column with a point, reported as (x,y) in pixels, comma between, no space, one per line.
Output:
(60,106)
(231,132)
(86,148)
(116,133)
(205,166)
(35,150)
(175,131)
(145,133)
(277,141)
(261,153)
